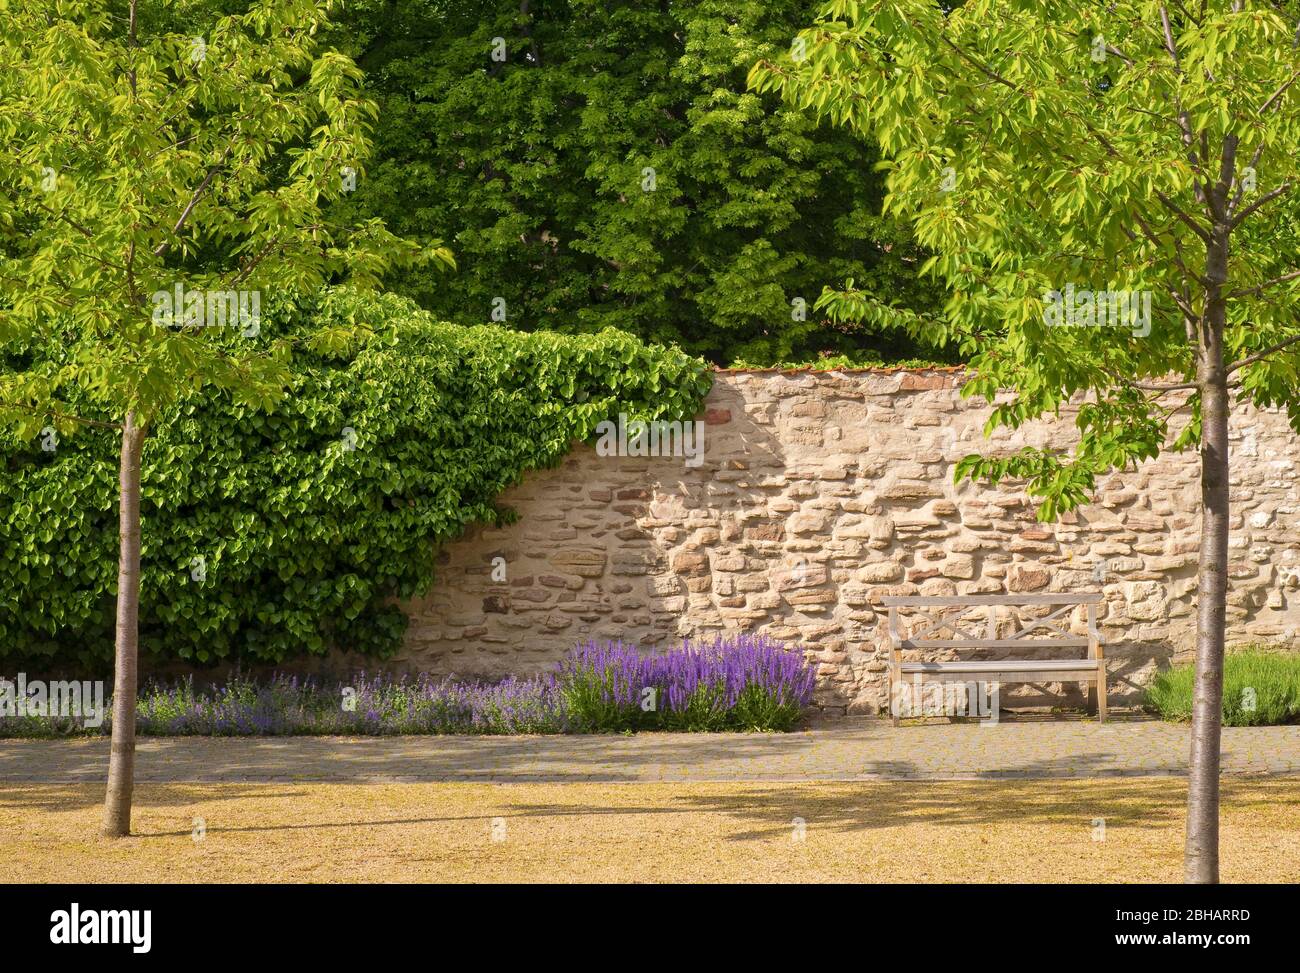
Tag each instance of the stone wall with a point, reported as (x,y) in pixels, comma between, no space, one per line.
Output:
(821,492)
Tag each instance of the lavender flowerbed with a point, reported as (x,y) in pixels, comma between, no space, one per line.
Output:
(741,683)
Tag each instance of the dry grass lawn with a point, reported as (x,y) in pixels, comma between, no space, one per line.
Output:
(986,831)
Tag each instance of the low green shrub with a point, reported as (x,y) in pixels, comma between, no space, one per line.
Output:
(1260,688)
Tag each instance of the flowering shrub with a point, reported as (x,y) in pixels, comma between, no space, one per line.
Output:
(602,685)
(378,706)
(761,684)
(745,683)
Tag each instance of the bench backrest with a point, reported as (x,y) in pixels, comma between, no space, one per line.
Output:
(987,605)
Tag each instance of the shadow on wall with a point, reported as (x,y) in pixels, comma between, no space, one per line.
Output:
(646,549)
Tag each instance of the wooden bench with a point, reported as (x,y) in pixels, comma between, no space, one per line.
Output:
(1090,670)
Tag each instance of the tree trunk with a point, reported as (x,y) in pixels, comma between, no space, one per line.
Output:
(121,761)
(1201,856)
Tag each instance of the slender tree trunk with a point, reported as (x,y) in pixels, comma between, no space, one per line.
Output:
(121,761)
(1201,856)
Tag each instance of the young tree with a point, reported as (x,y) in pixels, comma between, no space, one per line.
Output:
(1139,151)
(157,185)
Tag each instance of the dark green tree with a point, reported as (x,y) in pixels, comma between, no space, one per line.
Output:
(596,164)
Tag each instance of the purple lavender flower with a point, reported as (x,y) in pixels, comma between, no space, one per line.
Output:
(743,682)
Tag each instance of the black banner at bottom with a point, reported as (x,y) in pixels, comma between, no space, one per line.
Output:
(342,922)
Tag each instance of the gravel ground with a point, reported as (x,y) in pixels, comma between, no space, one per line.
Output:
(1054,830)
(840,750)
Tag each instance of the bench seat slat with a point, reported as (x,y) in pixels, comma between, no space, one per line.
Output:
(1073,641)
(1006,665)
(1009,676)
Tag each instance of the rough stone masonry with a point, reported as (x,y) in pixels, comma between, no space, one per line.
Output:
(821,492)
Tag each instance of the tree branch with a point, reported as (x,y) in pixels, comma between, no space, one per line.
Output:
(1268,283)
(1277,94)
(67,417)
(1259,356)
(1174,208)
(1266,198)
(194,200)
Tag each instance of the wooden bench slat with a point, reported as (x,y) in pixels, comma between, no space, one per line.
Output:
(1001,601)
(1008,676)
(1053,631)
(1041,665)
(1074,641)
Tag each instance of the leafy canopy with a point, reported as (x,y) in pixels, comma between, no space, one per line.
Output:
(1034,145)
(141,159)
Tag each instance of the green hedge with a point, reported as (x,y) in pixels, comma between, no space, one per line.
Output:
(306,542)
(1260,688)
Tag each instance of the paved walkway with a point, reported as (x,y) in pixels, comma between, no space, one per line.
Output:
(852,749)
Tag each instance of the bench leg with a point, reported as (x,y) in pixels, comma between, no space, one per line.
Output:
(893,700)
(1101,694)
(1090,697)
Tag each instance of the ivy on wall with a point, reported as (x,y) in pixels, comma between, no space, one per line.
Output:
(269,535)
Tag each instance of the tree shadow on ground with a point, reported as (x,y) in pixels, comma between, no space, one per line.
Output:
(771,811)
(756,812)
(72,797)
